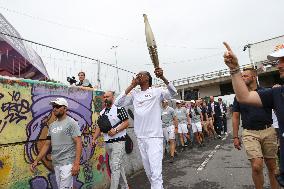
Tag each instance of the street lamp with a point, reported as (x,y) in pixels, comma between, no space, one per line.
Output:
(248,46)
(118,83)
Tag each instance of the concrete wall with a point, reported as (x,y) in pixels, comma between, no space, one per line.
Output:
(24,119)
(212,90)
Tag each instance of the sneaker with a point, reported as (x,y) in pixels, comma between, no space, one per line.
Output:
(219,137)
(226,133)
(171,159)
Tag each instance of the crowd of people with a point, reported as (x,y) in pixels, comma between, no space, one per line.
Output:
(184,124)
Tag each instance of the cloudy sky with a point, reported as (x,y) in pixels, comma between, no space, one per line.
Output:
(189,33)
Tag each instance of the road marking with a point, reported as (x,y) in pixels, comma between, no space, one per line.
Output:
(204,163)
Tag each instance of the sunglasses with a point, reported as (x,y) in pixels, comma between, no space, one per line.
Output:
(57,106)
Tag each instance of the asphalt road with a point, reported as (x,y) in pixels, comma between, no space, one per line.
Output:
(218,165)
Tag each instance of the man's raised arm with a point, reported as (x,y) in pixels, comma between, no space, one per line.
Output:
(171,92)
(125,99)
(243,94)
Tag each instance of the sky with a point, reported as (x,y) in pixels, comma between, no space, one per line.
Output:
(189,33)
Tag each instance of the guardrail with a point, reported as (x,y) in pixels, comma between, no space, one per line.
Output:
(214,74)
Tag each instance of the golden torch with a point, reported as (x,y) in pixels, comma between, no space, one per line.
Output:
(151,43)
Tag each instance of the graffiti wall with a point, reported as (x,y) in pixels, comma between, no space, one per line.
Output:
(25,115)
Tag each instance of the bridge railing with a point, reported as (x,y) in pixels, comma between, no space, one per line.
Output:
(213,75)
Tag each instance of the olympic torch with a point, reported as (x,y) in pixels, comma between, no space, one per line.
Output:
(151,43)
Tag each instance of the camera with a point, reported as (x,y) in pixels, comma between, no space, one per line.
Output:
(71,80)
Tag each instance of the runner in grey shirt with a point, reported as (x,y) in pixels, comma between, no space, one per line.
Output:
(168,114)
(64,137)
(196,118)
(183,122)
(181,114)
(169,124)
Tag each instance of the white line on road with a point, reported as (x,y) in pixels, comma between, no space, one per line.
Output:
(204,163)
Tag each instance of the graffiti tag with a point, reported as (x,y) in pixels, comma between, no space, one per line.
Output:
(15,110)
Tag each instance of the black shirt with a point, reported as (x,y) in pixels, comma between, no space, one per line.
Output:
(274,98)
(253,117)
(204,112)
(217,110)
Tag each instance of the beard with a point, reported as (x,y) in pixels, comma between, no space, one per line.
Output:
(108,102)
(248,82)
(58,115)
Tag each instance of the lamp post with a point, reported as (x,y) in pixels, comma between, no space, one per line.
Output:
(118,83)
(248,46)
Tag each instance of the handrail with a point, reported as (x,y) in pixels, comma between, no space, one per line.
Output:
(212,75)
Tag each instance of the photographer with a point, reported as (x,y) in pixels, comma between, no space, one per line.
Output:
(82,81)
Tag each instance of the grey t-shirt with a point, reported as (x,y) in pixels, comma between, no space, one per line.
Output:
(63,146)
(181,114)
(195,114)
(168,115)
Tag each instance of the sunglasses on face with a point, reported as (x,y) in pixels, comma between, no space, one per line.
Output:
(56,106)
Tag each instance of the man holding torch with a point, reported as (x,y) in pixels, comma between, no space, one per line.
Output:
(147,122)
(147,113)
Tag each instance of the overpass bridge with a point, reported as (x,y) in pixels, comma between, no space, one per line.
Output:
(218,83)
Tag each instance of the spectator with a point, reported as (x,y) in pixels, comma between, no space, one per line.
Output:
(83,81)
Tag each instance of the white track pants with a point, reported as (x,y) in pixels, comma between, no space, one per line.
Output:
(151,150)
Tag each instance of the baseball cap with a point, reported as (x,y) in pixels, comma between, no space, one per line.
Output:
(60,101)
(192,101)
(278,53)
(178,101)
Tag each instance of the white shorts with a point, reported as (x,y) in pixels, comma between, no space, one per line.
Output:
(182,128)
(196,127)
(64,179)
(169,133)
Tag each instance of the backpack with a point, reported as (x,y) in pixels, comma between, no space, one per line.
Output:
(128,144)
(104,123)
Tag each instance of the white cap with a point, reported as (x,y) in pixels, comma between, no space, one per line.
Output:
(178,101)
(278,53)
(60,101)
(192,101)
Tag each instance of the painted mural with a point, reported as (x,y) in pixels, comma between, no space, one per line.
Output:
(25,115)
